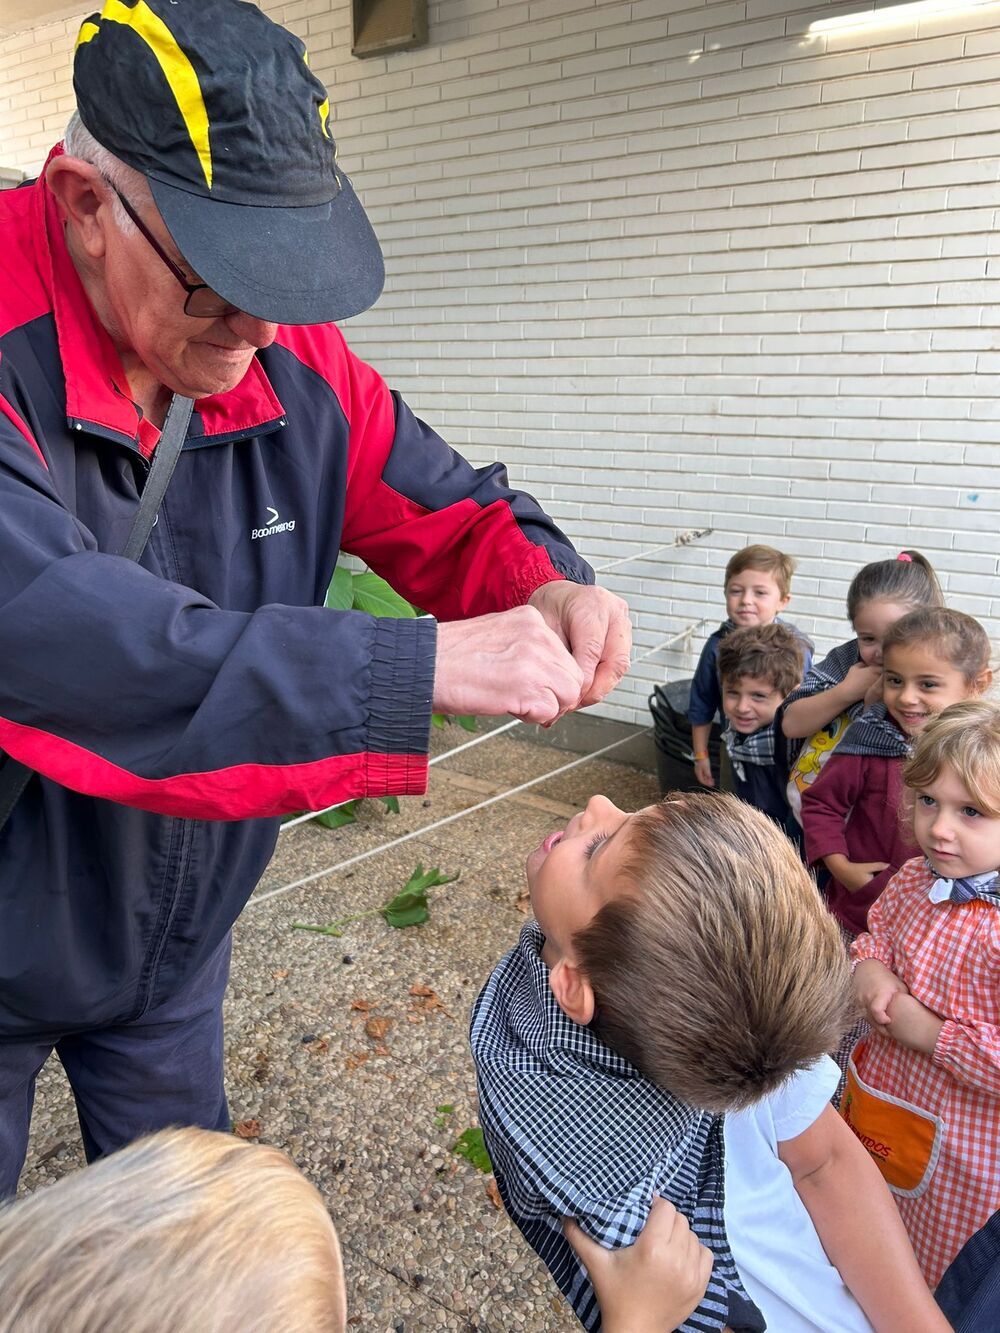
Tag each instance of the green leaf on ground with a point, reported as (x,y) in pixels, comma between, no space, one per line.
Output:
(373,595)
(391,803)
(340,594)
(408,908)
(338,816)
(468,722)
(441,1115)
(439,719)
(470,1145)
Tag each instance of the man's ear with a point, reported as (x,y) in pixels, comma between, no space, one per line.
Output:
(80,192)
(574,993)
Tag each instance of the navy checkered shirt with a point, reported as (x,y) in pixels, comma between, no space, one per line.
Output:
(574,1130)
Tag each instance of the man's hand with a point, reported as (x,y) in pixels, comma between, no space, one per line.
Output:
(874,987)
(594,625)
(912,1024)
(508,662)
(653,1285)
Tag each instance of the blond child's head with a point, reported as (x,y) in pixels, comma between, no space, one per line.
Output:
(953,777)
(183,1230)
(758,667)
(758,585)
(691,937)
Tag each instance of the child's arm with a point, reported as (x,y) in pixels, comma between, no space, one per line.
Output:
(806,716)
(699,744)
(825,807)
(703,707)
(652,1286)
(970,1052)
(860,1227)
(874,988)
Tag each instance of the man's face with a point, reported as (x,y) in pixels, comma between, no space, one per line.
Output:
(754,598)
(196,357)
(573,873)
(749,702)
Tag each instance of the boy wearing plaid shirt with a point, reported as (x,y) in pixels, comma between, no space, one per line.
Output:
(681,965)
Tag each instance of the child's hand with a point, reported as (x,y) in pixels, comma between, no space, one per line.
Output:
(874,987)
(854,875)
(653,1285)
(912,1024)
(873,694)
(703,772)
(859,681)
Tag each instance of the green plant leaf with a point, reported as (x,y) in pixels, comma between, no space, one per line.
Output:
(446,1109)
(408,908)
(338,816)
(373,595)
(439,719)
(391,803)
(470,1145)
(469,723)
(340,594)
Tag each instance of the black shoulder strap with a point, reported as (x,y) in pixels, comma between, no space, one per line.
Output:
(14,777)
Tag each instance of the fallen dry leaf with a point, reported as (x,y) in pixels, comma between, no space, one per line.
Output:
(414,1018)
(247,1129)
(418,989)
(382,1050)
(280,973)
(363,1006)
(523,904)
(355,1061)
(376,1028)
(493,1193)
(318,1046)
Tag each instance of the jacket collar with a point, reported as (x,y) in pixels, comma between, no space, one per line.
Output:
(97,393)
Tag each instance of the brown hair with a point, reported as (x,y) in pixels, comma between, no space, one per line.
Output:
(186,1229)
(958,638)
(770,652)
(720,972)
(907,580)
(765,559)
(965,738)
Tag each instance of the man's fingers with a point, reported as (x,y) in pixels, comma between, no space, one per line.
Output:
(613,660)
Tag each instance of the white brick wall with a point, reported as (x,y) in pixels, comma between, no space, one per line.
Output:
(680,265)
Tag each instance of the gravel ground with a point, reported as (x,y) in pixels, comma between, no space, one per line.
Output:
(338,1062)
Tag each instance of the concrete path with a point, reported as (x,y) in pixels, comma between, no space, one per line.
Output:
(341,1050)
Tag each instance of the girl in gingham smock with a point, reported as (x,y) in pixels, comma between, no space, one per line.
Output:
(923,1089)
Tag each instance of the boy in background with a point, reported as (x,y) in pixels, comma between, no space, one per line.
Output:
(758,586)
(680,959)
(758,667)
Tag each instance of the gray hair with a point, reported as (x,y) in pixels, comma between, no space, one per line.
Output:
(79,142)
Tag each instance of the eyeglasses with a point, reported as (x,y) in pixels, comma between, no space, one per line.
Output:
(201,302)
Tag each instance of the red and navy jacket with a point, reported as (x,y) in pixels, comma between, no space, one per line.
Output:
(177,706)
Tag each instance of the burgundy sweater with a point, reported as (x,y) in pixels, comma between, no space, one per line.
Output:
(853,808)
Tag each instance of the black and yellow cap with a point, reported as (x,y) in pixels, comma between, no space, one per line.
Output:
(216,105)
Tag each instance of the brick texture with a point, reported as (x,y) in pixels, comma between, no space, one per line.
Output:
(680,265)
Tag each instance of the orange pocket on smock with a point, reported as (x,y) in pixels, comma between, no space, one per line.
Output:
(903,1139)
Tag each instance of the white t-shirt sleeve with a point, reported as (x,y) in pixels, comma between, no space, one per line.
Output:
(799,1102)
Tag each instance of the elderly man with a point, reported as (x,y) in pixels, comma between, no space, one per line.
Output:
(192,239)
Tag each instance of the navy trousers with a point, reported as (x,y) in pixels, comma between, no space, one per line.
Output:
(163,1069)
(969,1292)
